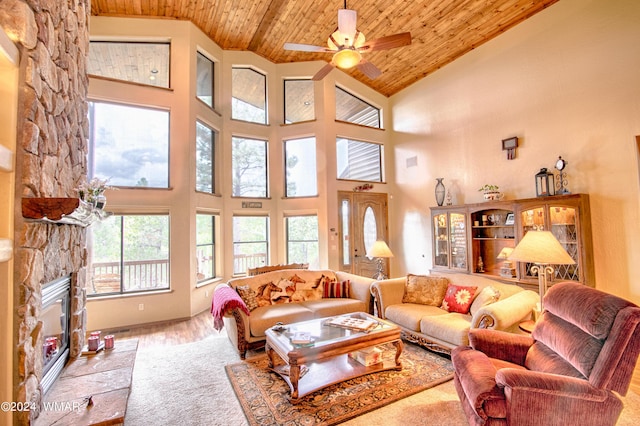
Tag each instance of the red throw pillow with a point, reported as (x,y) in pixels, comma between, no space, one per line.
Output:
(336,289)
(458,298)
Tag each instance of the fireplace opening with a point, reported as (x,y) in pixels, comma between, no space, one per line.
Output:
(55,316)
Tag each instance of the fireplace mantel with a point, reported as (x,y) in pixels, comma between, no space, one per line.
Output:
(70,211)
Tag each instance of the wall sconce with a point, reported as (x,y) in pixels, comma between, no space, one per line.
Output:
(545,183)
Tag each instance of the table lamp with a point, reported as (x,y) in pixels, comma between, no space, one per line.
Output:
(507,270)
(379,250)
(543,250)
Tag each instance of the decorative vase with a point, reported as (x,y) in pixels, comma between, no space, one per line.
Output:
(440,191)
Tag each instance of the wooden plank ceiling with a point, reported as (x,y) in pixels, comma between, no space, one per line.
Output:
(441,30)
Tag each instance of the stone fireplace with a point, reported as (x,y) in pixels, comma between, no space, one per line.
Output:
(50,160)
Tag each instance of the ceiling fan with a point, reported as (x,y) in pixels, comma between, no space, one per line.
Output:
(348,44)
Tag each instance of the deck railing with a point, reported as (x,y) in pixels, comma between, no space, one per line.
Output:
(151,274)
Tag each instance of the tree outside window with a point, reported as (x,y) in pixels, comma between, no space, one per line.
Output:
(302,240)
(249,167)
(205,246)
(205,158)
(250,242)
(129,253)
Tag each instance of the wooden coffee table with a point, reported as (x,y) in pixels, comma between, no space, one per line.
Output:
(325,360)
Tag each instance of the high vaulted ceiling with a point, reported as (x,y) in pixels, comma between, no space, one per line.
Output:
(441,30)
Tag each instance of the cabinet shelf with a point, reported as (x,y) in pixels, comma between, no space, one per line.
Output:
(494,238)
(68,211)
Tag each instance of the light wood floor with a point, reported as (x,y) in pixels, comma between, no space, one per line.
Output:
(168,333)
(200,326)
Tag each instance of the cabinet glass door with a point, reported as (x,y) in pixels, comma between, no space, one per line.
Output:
(441,249)
(563,227)
(531,219)
(458,233)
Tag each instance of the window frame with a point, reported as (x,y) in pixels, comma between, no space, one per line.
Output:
(378,110)
(380,160)
(214,143)
(306,103)
(91,156)
(288,240)
(200,54)
(315,166)
(266,242)
(121,262)
(266,99)
(135,42)
(214,218)
(266,167)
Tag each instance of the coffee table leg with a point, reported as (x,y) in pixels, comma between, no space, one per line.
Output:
(270,354)
(294,376)
(399,345)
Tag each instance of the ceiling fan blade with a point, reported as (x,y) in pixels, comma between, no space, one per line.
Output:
(323,72)
(368,69)
(347,23)
(305,47)
(388,42)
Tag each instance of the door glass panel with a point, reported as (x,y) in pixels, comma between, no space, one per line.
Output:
(345,232)
(369,229)
(442,242)
(458,234)
(563,227)
(532,219)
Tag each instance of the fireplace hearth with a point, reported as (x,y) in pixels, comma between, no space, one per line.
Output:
(56,322)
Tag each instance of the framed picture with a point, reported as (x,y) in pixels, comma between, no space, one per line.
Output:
(510,143)
(510,220)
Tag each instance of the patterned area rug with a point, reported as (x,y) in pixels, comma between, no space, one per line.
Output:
(263,394)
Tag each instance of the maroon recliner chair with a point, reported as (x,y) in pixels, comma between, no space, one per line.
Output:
(582,352)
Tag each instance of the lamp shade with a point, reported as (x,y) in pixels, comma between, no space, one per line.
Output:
(541,247)
(505,252)
(379,249)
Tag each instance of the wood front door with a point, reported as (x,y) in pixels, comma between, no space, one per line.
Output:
(362,221)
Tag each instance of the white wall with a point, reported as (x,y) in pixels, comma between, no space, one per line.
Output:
(182,202)
(565,82)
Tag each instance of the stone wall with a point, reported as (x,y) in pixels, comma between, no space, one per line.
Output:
(51,156)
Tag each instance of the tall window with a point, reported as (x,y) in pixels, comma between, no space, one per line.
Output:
(250,242)
(352,109)
(300,159)
(298,101)
(249,167)
(128,144)
(249,95)
(359,160)
(130,253)
(204,79)
(205,246)
(137,62)
(205,158)
(302,240)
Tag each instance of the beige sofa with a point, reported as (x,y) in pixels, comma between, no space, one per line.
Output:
(437,329)
(281,302)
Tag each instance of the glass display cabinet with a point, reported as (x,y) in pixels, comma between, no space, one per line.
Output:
(477,238)
(449,240)
(568,219)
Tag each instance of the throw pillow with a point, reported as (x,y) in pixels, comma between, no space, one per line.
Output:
(458,298)
(425,290)
(304,291)
(336,289)
(487,296)
(248,296)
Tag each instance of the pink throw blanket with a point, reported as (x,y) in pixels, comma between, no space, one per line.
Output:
(225,299)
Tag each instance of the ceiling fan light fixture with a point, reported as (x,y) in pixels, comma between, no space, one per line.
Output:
(347,58)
